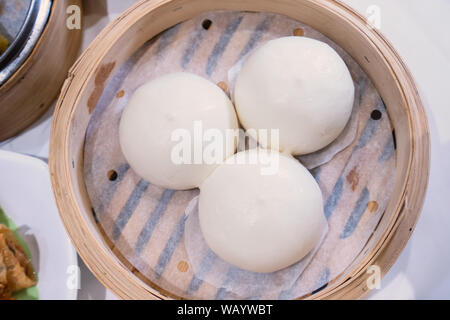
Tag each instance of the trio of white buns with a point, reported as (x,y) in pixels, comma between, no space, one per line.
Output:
(257,222)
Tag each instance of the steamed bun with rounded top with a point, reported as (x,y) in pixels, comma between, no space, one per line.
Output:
(162,115)
(298,85)
(263,215)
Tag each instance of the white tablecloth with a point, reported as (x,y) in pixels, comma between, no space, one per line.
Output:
(419,31)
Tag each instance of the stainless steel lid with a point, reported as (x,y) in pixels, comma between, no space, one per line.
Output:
(25,39)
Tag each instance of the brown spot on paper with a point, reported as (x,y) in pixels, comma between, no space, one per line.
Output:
(223,85)
(353,179)
(120,94)
(100,80)
(372,206)
(183,266)
(299,32)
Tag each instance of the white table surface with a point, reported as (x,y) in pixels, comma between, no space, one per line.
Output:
(419,31)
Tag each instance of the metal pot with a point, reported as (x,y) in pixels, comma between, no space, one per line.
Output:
(33,20)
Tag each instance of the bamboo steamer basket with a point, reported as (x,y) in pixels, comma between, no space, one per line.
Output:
(145,20)
(32,88)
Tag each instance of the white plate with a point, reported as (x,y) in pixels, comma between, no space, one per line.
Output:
(26,197)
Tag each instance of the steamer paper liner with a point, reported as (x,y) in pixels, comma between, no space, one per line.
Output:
(145,225)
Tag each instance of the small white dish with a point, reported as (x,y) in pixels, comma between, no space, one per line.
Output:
(26,197)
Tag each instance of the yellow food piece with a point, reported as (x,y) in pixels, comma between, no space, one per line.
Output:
(4,43)
(16,271)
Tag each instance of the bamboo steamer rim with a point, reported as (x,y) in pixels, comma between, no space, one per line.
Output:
(406,207)
(18,111)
